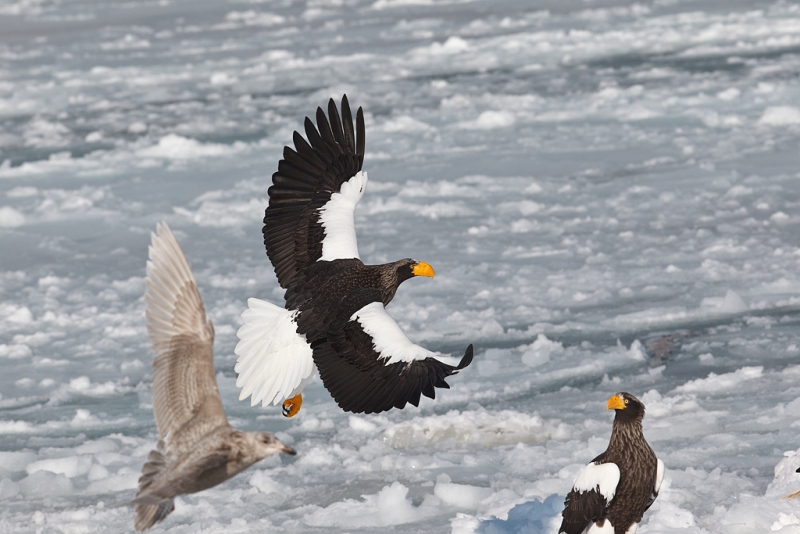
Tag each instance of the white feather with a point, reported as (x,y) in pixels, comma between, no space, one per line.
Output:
(600,477)
(607,528)
(388,339)
(336,217)
(275,362)
(659,474)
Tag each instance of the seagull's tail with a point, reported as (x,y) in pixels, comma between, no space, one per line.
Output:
(275,362)
(147,515)
(149,508)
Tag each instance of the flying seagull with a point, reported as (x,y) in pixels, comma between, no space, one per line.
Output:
(612,493)
(334,316)
(198,448)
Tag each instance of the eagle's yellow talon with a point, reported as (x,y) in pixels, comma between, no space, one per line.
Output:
(292,406)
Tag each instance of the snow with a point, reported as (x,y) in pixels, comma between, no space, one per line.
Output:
(589,179)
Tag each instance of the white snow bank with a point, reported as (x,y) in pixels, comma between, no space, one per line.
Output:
(540,350)
(70,466)
(533,517)
(177,147)
(730,303)
(8,489)
(45,484)
(780,116)
(481,427)
(715,383)
(13,462)
(388,507)
(11,218)
(490,120)
(461,495)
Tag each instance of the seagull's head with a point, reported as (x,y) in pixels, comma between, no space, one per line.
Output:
(265,444)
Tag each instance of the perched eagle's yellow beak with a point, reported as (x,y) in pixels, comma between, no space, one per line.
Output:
(422,269)
(616,403)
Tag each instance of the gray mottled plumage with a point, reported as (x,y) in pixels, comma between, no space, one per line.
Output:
(638,477)
(198,448)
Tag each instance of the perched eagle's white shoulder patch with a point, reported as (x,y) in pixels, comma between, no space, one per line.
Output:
(607,528)
(659,474)
(336,217)
(388,339)
(599,477)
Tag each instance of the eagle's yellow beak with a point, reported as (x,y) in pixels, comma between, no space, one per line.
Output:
(422,269)
(616,403)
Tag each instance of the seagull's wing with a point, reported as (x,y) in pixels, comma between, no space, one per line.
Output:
(193,475)
(592,492)
(314,194)
(370,365)
(184,385)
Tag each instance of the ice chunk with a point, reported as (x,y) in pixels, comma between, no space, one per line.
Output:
(529,517)
(45,484)
(11,218)
(723,382)
(15,461)
(8,489)
(780,116)
(389,507)
(540,350)
(70,466)
(461,495)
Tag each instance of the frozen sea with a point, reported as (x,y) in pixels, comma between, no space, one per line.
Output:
(607,190)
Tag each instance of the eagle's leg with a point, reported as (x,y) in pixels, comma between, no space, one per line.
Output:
(292,406)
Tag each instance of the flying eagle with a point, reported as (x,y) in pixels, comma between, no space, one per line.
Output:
(334,316)
(612,493)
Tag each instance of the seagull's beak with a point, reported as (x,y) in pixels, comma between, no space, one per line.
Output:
(422,269)
(615,403)
(288,450)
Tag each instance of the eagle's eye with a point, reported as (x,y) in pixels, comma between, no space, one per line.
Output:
(626,401)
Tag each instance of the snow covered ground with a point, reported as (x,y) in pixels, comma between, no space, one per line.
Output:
(607,190)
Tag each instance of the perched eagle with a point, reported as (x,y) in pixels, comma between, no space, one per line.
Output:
(612,493)
(198,448)
(334,315)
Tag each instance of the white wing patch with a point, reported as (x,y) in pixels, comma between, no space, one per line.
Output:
(275,362)
(659,474)
(336,217)
(607,528)
(602,476)
(387,338)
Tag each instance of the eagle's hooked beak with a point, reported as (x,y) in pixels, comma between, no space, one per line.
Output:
(616,403)
(422,269)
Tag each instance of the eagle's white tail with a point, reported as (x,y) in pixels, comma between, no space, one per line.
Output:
(275,362)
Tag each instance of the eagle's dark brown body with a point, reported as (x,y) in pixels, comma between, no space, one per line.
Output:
(365,360)
(341,288)
(637,475)
(638,478)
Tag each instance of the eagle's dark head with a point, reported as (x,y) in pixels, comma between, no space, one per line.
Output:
(394,274)
(409,268)
(628,407)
